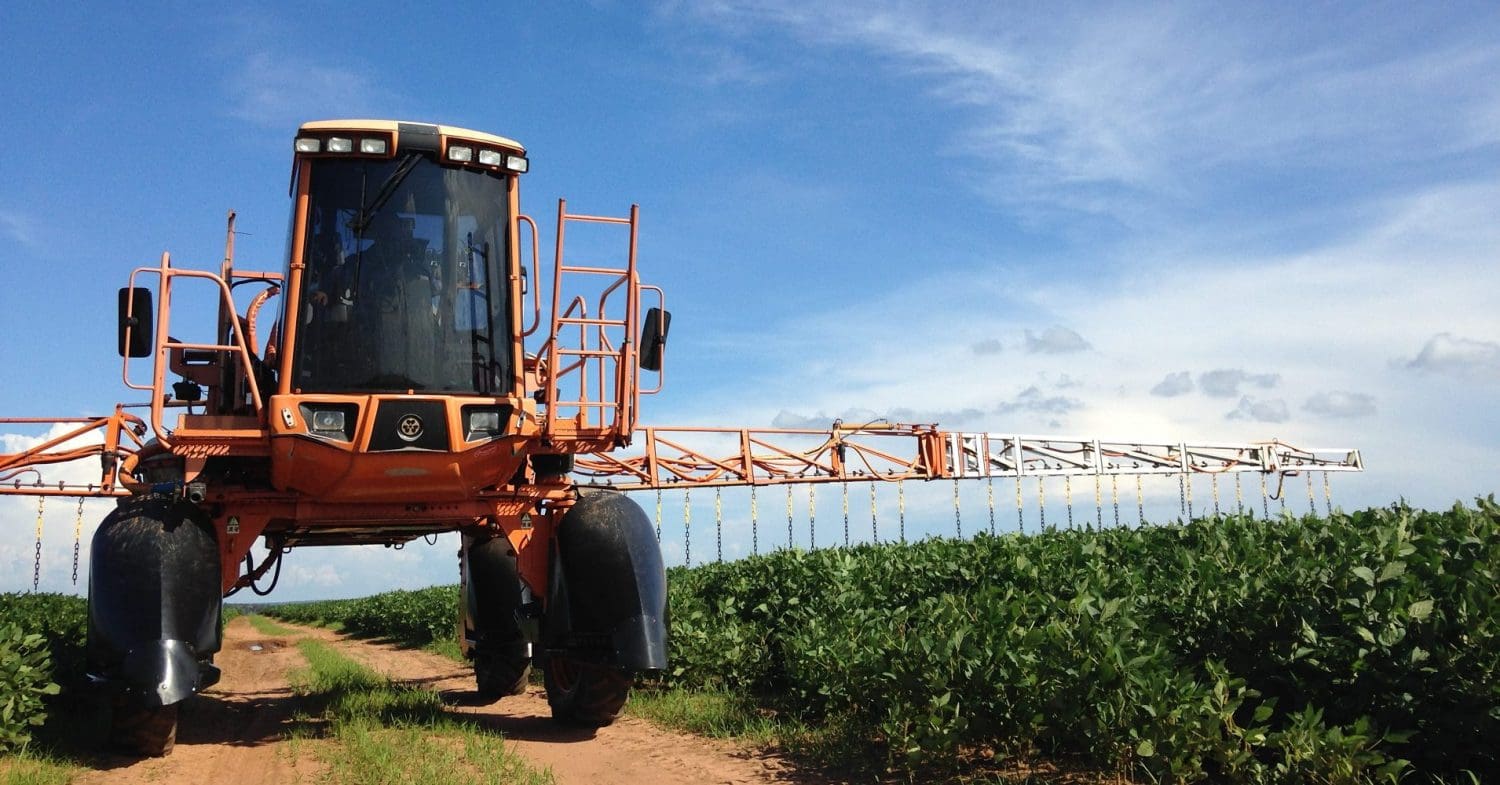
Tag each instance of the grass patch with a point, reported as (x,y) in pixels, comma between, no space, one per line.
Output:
(447,647)
(29,767)
(265,626)
(393,733)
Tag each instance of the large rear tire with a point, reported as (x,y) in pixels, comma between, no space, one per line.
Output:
(138,729)
(585,694)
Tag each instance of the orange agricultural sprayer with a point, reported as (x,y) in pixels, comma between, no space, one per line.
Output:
(400,377)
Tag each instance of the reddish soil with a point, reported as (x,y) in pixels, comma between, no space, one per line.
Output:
(237,731)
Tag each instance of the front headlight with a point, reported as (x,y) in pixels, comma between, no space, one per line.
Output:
(485,422)
(330,420)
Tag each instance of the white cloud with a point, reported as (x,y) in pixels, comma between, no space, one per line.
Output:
(1174,384)
(1225,382)
(1272,410)
(1341,404)
(1055,340)
(1455,355)
(987,346)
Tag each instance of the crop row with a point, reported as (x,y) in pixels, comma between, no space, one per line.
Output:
(41,647)
(414,618)
(1341,649)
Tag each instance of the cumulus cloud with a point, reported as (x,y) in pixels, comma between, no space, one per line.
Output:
(1055,340)
(987,346)
(277,90)
(19,227)
(1225,382)
(1262,410)
(1340,404)
(1173,385)
(1447,353)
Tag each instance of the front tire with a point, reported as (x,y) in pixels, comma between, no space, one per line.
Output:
(497,676)
(139,729)
(585,694)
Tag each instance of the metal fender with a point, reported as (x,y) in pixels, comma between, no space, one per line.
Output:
(608,598)
(154,601)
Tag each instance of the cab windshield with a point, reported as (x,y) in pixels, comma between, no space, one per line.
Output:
(404,281)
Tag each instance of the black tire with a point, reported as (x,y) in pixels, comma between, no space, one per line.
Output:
(146,731)
(585,694)
(497,676)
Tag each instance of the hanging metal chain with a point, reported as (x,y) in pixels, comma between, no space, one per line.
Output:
(77,538)
(1182,493)
(1020,507)
(1068,493)
(812,517)
(687,526)
(1239,497)
(874,528)
(958,518)
(846,513)
(788,516)
(1098,503)
(901,508)
(1327,494)
(1265,504)
(1312,504)
(1187,484)
(658,516)
(1140,503)
(1041,501)
(1114,496)
(1215,479)
(989,497)
(719,524)
(754,524)
(36,570)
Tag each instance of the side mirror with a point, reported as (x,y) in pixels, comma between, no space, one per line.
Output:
(136,325)
(654,338)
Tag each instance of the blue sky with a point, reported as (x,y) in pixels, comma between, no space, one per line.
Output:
(1185,222)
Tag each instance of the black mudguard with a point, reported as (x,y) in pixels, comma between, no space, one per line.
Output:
(608,598)
(154,601)
(492,598)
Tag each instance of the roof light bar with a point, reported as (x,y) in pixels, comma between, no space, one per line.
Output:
(308,144)
(462,153)
(370,146)
(340,144)
(489,157)
(517,163)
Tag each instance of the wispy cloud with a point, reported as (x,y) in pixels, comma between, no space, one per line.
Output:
(280,90)
(19,227)
(1270,410)
(1094,110)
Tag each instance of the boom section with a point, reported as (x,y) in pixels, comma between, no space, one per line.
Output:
(668,457)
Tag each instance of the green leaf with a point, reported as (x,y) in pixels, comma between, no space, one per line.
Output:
(1366,573)
(1392,570)
(1420,609)
(1145,749)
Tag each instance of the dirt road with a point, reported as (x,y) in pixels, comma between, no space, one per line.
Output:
(237,731)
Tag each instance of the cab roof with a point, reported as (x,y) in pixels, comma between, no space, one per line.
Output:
(395,127)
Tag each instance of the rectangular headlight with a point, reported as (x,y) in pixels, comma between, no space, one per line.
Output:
(517,163)
(460,153)
(485,422)
(308,144)
(328,420)
(339,144)
(372,146)
(489,157)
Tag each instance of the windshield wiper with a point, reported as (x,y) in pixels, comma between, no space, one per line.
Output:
(387,189)
(367,212)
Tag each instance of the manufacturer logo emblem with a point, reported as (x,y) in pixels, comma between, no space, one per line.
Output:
(409,428)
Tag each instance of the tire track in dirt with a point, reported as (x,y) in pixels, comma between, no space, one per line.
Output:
(234,732)
(630,751)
